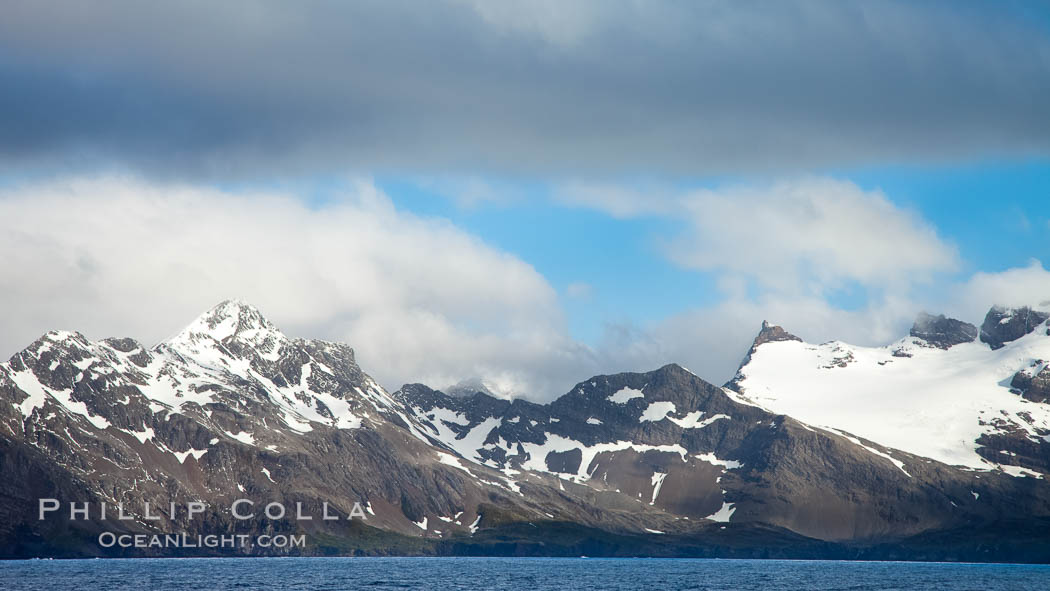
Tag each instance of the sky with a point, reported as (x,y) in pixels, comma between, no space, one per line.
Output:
(525,193)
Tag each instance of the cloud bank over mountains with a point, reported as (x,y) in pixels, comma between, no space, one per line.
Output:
(126,129)
(422,300)
(418,298)
(209,90)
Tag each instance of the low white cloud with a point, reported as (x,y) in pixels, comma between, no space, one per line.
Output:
(801,236)
(419,299)
(810,235)
(1018,286)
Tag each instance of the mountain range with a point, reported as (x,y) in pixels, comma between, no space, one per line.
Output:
(935,447)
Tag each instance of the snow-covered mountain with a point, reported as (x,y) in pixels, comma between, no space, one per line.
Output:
(929,447)
(941,394)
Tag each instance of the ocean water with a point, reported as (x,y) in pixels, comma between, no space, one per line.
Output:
(529,574)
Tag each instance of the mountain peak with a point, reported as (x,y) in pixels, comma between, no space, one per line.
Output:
(769,333)
(228,318)
(1003,325)
(231,321)
(941,331)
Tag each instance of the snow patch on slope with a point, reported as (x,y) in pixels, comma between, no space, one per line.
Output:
(658,482)
(724,514)
(243,437)
(657,411)
(623,395)
(710,458)
(38,394)
(693,420)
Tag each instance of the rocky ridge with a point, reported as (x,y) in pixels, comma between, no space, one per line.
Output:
(660,463)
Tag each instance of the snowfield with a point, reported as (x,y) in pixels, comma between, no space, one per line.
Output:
(923,400)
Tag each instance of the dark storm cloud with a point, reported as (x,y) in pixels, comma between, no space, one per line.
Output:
(225,89)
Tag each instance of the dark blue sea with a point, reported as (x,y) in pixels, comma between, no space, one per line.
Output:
(529,574)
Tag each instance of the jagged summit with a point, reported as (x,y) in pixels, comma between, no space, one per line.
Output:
(1003,325)
(233,325)
(227,319)
(769,333)
(941,331)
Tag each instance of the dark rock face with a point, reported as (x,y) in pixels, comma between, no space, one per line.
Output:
(1033,383)
(767,469)
(771,333)
(1003,325)
(942,332)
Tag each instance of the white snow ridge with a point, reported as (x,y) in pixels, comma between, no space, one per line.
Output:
(909,396)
